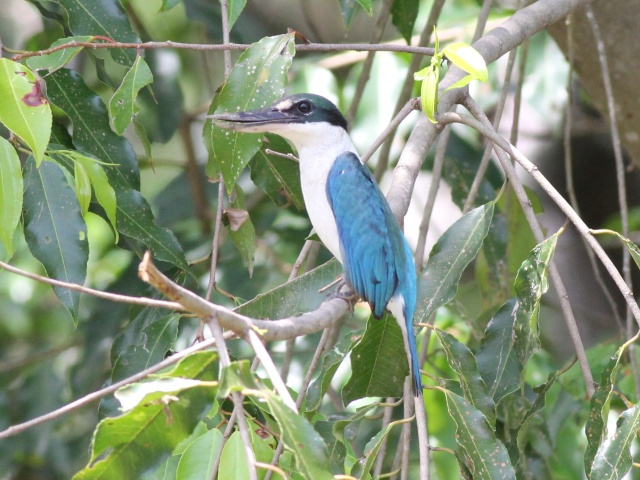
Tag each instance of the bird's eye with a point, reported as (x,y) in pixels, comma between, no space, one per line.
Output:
(305,107)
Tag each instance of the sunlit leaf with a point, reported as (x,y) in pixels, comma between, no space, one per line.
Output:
(468,59)
(10,193)
(24,109)
(430,77)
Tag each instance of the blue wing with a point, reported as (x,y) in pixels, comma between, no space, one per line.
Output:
(376,258)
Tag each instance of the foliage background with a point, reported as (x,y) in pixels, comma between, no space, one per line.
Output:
(52,355)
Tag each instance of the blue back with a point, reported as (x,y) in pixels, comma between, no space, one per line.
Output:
(376,257)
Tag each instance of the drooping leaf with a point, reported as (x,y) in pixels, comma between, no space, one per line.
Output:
(82,187)
(613,459)
(631,247)
(531,283)
(486,456)
(278,177)
(122,106)
(497,359)
(59,58)
(297,433)
(54,228)
(127,445)
(235,9)
(258,79)
(430,77)
(105,18)
(403,17)
(363,467)
(378,362)
(455,249)
(10,193)
(460,358)
(596,427)
(24,109)
(92,134)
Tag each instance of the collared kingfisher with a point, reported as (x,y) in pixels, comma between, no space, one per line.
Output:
(345,205)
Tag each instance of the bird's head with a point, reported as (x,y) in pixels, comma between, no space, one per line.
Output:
(304,119)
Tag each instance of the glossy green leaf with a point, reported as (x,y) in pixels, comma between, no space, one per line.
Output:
(297,433)
(235,9)
(11,190)
(293,298)
(460,358)
(488,457)
(24,109)
(59,58)
(197,461)
(613,460)
(258,79)
(92,134)
(531,283)
(497,359)
(82,187)
(127,445)
(455,249)
(122,106)
(278,177)
(234,463)
(241,229)
(54,228)
(596,427)
(403,17)
(468,59)
(378,362)
(105,18)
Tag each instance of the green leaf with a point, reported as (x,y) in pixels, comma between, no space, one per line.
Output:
(531,283)
(122,106)
(102,18)
(278,177)
(241,229)
(497,359)
(128,445)
(168,5)
(54,229)
(403,17)
(24,109)
(295,297)
(258,79)
(82,187)
(365,464)
(487,456)
(460,358)
(235,9)
(613,459)
(430,77)
(336,449)
(92,134)
(378,362)
(298,435)
(631,247)
(455,249)
(196,462)
(234,463)
(468,59)
(58,59)
(330,363)
(10,193)
(596,427)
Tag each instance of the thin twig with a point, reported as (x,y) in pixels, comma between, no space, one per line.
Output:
(386,420)
(92,397)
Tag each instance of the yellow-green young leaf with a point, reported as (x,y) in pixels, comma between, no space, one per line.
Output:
(429,92)
(82,186)
(468,59)
(122,106)
(24,109)
(10,193)
(463,82)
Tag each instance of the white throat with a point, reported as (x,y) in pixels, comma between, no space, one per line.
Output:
(318,145)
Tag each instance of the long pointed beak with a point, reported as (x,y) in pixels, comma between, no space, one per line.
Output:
(252,121)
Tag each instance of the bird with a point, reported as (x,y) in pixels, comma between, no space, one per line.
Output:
(345,206)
